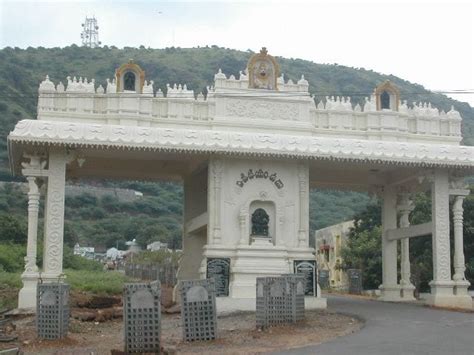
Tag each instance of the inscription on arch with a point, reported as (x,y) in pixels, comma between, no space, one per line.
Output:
(259,174)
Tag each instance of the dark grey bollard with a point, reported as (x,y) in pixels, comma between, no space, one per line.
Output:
(324,279)
(276,301)
(355,281)
(198,309)
(297,288)
(52,310)
(142,317)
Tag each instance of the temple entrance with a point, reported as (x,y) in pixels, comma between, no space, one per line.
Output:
(247,156)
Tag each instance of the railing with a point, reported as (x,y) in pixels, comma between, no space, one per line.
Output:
(240,107)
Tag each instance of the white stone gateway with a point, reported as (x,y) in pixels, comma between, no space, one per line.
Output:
(247,153)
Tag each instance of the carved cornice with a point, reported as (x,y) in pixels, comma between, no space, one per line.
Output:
(79,135)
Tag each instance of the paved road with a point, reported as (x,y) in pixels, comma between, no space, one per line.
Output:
(398,329)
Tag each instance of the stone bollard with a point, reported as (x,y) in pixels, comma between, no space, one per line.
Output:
(276,300)
(52,310)
(198,309)
(142,317)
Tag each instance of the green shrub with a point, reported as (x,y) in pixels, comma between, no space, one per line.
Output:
(12,257)
(10,279)
(12,229)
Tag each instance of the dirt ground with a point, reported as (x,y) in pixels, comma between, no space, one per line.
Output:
(236,335)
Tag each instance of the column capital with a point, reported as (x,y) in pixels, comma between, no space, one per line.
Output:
(34,165)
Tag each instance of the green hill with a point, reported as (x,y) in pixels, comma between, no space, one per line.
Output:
(21,70)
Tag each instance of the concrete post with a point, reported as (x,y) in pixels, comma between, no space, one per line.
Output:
(407,288)
(390,291)
(441,285)
(460,283)
(54,217)
(459,267)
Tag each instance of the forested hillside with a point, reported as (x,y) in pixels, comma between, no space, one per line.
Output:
(157,216)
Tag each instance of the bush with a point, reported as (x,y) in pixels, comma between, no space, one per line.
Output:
(12,229)
(12,257)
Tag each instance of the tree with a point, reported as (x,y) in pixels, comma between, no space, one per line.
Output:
(363,249)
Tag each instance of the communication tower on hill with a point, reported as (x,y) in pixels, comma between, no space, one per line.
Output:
(90,33)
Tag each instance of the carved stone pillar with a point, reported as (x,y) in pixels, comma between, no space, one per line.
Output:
(460,283)
(216,177)
(27,295)
(390,290)
(441,285)
(54,217)
(33,208)
(304,205)
(407,288)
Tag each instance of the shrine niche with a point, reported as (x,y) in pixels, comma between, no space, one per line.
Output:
(387,96)
(263,71)
(130,78)
(260,221)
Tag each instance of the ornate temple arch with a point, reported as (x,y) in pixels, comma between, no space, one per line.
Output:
(130,77)
(387,96)
(263,71)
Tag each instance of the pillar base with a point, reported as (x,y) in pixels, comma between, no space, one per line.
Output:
(442,295)
(390,293)
(461,288)
(27,294)
(407,293)
(461,294)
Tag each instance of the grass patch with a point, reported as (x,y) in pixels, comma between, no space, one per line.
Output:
(99,282)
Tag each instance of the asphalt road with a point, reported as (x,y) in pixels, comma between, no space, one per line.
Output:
(398,329)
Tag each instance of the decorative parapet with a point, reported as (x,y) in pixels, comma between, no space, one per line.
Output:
(232,102)
(420,122)
(179,91)
(221,81)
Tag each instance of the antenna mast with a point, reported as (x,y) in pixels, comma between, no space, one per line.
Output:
(90,33)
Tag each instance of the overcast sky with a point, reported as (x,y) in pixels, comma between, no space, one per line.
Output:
(426,42)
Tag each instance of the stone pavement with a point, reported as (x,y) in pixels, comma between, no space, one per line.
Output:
(398,329)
